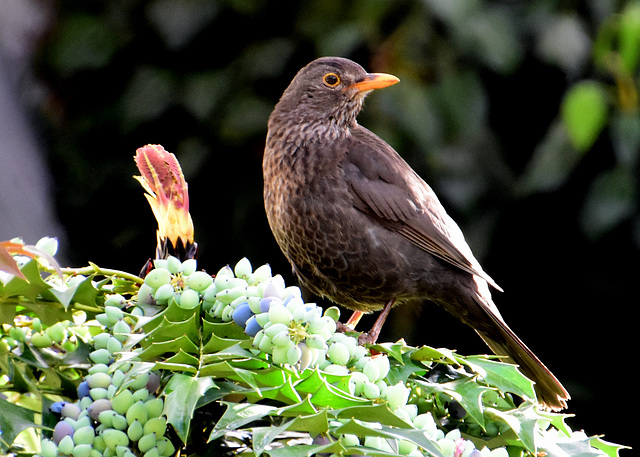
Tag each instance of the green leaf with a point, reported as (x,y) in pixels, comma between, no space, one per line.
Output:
(610,201)
(466,391)
(314,424)
(263,436)
(629,37)
(84,293)
(610,449)
(182,395)
(303,407)
(325,394)
(584,113)
(14,419)
(553,161)
(157,348)
(505,376)
(238,415)
(371,413)
(307,450)
(419,437)
(30,287)
(523,421)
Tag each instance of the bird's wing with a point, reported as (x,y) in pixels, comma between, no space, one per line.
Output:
(386,187)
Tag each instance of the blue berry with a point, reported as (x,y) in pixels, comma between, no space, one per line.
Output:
(241,314)
(252,326)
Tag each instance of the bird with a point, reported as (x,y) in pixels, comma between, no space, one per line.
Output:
(361,228)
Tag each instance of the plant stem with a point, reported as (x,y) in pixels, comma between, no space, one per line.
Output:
(95,269)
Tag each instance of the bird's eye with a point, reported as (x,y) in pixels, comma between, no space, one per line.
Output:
(331,79)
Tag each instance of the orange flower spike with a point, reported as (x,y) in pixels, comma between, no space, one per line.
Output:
(167,193)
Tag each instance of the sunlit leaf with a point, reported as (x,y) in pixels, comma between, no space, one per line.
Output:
(610,449)
(506,377)
(182,395)
(14,419)
(418,437)
(629,37)
(584,113)
(238,415)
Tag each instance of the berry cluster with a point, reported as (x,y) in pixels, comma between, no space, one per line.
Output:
(118,412)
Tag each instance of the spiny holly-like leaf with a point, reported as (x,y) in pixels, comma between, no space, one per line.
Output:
(465,391)
(166,327)
(181,343)
(611,449)
(419,437)
(523,421)
(506,377)
(14,419)
(30,287)
(371,413)
(307,450)
(238,415)
(182,395)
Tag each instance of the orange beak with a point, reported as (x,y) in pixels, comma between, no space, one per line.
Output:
(375,81)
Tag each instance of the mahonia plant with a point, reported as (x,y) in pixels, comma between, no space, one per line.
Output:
(97,362)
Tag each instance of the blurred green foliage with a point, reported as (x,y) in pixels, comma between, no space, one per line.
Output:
(522,115)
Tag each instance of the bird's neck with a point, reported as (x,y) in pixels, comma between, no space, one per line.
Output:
(302,130)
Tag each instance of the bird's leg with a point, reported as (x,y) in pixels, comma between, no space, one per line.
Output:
(350,325)
(372,336)
(354,319)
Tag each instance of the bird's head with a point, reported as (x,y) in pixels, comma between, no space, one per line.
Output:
(330,90)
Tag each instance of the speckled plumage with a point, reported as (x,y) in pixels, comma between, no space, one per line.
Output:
(360,227)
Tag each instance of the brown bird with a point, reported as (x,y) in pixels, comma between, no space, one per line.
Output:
(360,227)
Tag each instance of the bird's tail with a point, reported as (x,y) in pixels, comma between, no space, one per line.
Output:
(504,342)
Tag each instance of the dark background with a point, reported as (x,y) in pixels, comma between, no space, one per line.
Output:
(476,114)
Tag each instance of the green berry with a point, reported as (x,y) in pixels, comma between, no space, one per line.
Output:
(157,425)
(98,393)
(147,442)
(189,299)
(84,435)
(164,293)
(243,268)
(113,313)
(120,422)
(101,339)
(99,380)
(122,401)
(48,448)
(199,281)
(115,300)
(173,264)
(141,394)
(154,406)
(338,353)
(114,345)
(157,278)
(100,356)
(56,332)
(41,340)
(113,438)
(188,267)
(66,445)
(138,412)
(135,430)
(82,450)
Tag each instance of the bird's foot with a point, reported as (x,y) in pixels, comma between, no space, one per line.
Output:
(367,338)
